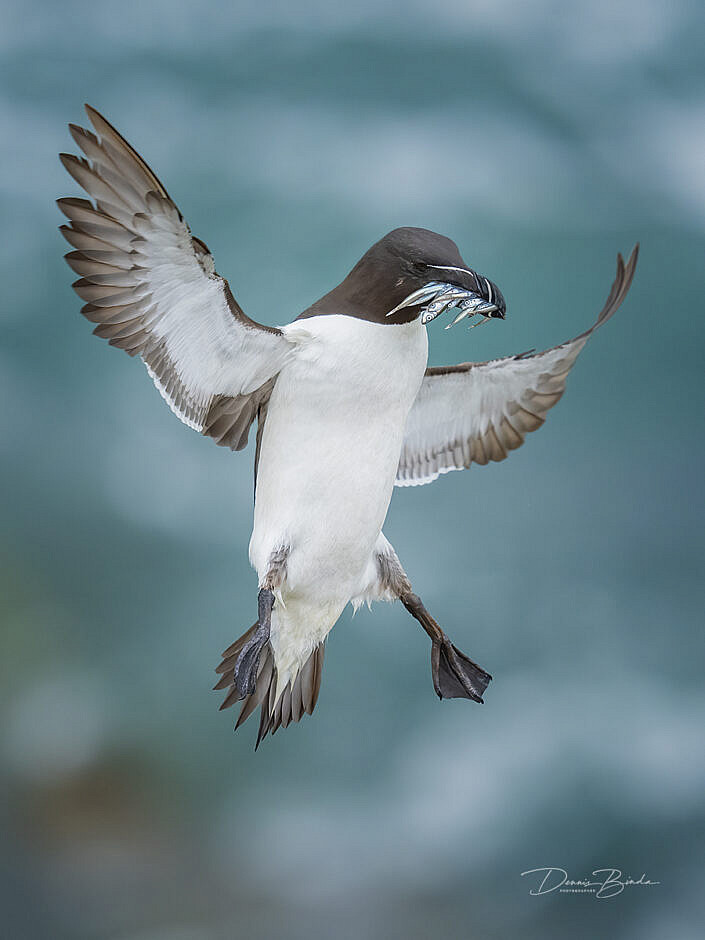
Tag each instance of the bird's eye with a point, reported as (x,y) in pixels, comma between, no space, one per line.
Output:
(418,268)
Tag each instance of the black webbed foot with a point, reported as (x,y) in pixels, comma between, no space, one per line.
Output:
(454,675)
(247,663)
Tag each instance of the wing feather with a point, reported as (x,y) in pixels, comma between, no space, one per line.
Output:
(151,289)
(477,412)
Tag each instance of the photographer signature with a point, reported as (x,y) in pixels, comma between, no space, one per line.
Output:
(610,882)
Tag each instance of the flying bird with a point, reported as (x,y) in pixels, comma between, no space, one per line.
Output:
(345,406)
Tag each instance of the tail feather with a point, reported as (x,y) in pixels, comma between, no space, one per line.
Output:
(265,676)
(297,698)
(232,652)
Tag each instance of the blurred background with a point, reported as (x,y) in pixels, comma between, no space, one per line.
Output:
(543,138)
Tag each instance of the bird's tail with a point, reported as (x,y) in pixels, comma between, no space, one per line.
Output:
(297,698)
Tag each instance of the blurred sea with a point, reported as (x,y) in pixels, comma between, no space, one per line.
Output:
(543,138)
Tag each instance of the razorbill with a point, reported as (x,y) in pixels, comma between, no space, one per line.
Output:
(345,405)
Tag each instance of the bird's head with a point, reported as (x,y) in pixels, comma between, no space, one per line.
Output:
(418,273)
(412,273)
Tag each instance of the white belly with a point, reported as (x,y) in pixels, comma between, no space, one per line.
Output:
(328,459)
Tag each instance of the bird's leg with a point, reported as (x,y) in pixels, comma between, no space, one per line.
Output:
(454,675)
(247,663)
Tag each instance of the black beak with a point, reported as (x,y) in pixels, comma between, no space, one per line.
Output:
(492,294)
(500,313)
(482,286)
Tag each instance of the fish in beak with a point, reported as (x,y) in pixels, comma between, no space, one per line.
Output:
(436,297)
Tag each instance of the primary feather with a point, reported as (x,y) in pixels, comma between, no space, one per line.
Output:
(476,412)
(152,289)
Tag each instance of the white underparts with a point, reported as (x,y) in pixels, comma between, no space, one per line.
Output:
(328,460)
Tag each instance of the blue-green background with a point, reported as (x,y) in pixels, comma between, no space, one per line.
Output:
(543,137)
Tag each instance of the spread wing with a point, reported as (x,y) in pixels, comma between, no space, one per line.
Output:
(479,411)
(152,289)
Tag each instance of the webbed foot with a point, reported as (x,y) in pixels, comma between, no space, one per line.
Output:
(247,663)
(454,674)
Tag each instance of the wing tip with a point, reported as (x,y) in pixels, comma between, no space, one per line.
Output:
(633,257)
